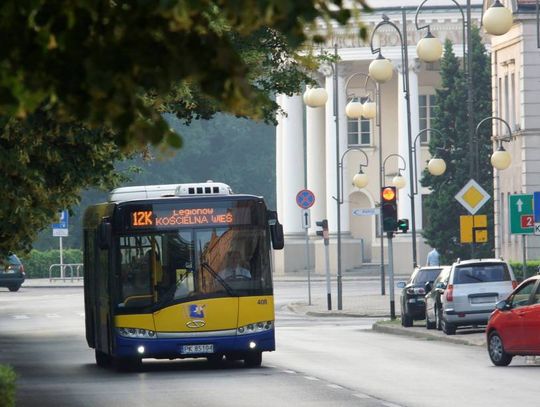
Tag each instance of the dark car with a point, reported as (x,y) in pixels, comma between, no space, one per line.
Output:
(433,299)
(11,273)
(514,325)
(413,306)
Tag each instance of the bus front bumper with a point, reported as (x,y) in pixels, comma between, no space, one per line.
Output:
(160,348)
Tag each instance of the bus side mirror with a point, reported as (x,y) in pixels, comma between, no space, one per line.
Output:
(105,235)
(276,231)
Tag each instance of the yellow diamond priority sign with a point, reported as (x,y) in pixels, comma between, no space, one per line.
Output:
(472,196)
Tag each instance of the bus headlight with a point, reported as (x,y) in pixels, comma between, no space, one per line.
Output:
(136,333)
(255,327)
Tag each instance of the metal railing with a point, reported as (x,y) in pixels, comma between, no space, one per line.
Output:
(74,269)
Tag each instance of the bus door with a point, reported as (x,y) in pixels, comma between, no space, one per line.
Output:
(201,300)
(103,324)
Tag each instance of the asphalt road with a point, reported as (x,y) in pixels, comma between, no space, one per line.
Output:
(319,361)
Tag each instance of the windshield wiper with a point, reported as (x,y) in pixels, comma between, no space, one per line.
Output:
(227,287)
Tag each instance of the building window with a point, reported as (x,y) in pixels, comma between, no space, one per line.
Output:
(359,130)
(426,109)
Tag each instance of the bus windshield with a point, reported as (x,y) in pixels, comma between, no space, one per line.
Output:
(162,268)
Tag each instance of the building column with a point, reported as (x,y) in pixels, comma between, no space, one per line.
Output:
(292,163)
(316,164)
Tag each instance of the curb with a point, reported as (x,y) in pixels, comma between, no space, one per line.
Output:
(297,308)
(385,328)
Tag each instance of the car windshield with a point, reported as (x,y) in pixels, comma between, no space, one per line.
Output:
(481,273)
(423,276)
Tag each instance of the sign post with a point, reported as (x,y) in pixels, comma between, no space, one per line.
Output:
(60,230)
(472,196)
(522,221)
(305,200)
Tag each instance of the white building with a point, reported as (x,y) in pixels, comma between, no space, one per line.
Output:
(306,137)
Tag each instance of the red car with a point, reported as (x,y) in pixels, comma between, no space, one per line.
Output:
(514,327)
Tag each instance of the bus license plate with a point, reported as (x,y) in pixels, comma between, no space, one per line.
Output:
(193,349)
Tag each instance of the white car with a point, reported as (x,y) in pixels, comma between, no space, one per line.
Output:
(474,287)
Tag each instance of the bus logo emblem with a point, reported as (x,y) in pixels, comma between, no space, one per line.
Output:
(196,311)
(196,323)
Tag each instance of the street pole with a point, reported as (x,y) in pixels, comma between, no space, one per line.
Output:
(327,264)
(381,182)
(338,203)
(390,236)
(308,264)
(405,71)
(524,238)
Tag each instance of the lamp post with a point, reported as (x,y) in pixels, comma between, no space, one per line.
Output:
(436,166)
(317,97)
(370,110)
(497,20)
(360,180)
(381,70)
(398,181)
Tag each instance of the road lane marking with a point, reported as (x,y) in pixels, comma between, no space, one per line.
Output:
(335,386)
(361,396)
(21,317)
(289,371)
(311,378)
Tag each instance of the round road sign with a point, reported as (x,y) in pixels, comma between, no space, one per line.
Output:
(305,199)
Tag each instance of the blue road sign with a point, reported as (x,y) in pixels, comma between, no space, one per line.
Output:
(305,199)
(536,212)
(62,221)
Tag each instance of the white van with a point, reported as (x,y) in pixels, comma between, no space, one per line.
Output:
(474,287)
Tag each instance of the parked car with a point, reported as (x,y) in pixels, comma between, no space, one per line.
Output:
(413,291)
(11,273)
(514,326)
(433,298)
(474,287)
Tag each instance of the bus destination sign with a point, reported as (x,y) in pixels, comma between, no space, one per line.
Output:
(177,217)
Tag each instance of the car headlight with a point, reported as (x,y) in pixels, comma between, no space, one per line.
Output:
(136,333)
(255,327)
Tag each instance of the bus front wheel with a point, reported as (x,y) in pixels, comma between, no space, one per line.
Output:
(128,364)
(253,359)
(102,359)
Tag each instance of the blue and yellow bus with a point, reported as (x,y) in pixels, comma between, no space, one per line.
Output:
(154,284)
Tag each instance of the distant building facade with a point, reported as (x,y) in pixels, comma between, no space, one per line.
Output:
(306,139)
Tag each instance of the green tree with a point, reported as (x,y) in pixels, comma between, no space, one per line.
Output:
(110,69)
(442,209)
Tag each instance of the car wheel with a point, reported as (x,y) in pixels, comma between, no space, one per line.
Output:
(14,288)
(438,322)
(406,320)
(429,324)
(447,327)
(253,359)
(496,350)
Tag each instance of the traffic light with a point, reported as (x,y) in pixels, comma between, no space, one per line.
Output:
(389,208)
(403,225)
(323,224)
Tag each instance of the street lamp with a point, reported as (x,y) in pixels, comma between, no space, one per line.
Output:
(381,69)
(497,20)
(500,159)
(398,181)
(436,166)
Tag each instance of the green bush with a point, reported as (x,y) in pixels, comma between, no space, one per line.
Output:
(7,386)
(532,268)
(37,263)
